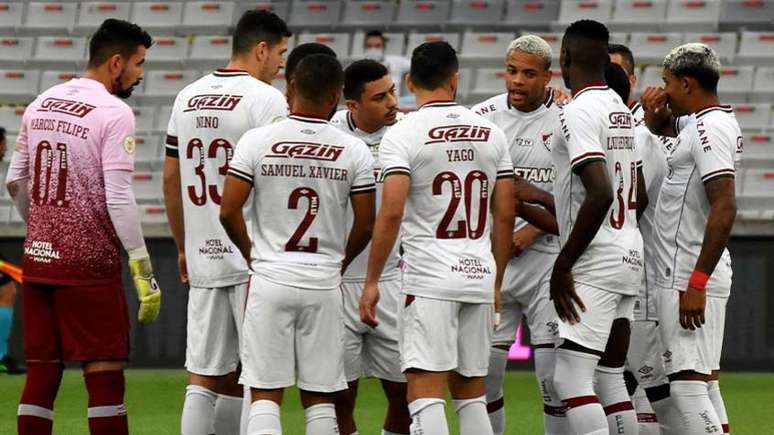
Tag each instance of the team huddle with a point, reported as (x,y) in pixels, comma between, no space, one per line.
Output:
(322,246)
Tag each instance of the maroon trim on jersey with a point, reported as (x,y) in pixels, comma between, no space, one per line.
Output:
(587,155)
(549,98)
(720,172)
(726,428)
(619,407)
(226,72)
(351,121)
(304,117)
(599,85)
(439,103)
(576,402)
(721,107)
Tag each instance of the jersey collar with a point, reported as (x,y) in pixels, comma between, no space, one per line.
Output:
(226,72)
(438,104)
(593,86)
(721,107)
(634,106)
(308,118)
(351,122)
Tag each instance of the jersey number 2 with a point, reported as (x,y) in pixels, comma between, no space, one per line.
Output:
(312,206)
(41,183)
(212,153)
(480,193)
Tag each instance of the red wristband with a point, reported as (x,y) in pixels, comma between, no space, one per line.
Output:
(698,280)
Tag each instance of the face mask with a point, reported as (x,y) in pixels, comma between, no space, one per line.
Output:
(376,54)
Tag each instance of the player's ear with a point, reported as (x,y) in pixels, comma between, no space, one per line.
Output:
(115,64)
(409,83)
(352,105)
(261,51)
(454,80)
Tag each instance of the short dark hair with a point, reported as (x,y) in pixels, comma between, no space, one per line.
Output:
(357,75)
(432,64)
(116,37)
(302,51)
(255,27)
(317,76)
(376,33)
(2,134)
(626,55)
(616,78)
(586,42)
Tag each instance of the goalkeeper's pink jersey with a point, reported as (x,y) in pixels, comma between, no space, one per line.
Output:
(69,136)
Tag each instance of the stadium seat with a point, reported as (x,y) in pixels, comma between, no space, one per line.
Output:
(153,214)
(554,40)
(209,52)
(15,218)
(476,12)
(653,47)
(49,17)
(315,14)
(724,44)
(279,82)
(692,15)
(11,17)
(144,117)
(146,152)
(160,18)
(746,14)
(650,76)
(396,44)
(753,116)
(415,39)
(477,45)
(206,17)
(763,85)
(49,79)
(463,87)
(10,119)
(756,48)
(361,13)
(531,14)
(735,83)
(338,42)
(758,147)
(147,186)
(619,38)
(573,10)
(92,14)
(638,15)
(280,8)
(427,13)
(60,52)
(488,82)
(556,78)
(4,192)
(758,182)
(14,51)
(167,51)
(162,118)
(164,85)
(18,86)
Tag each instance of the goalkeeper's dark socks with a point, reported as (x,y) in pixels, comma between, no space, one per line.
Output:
(36,408)
(107,413)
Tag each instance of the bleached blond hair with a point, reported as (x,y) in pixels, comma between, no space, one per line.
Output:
(534,45)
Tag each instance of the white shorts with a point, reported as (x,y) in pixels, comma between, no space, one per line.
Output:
(698,350)
(602,307)
(645,352)
(372,351)
(526,285)
(293,336)
(438,336)
(214,329)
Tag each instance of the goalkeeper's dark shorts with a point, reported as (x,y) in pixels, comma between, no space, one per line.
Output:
(75,323)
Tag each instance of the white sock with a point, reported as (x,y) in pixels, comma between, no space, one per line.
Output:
(264,418)
(473,416)
(611,390)
(198,411)
(554,411)
(498,360)
(228,415)
(696,409)
(574,382)
(647,423)
(670,420)
(713,389)
(247,401)
(428,417)
(321,419)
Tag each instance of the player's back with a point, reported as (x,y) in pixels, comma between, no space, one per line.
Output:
(596,126)
(303,171)
(453,157)
(209,117)
(72,133)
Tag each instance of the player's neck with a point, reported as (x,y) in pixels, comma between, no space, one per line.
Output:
(580,80)
(703,101)
(241,65)
(309,109)
(99,76)
(424,96)
(364,126)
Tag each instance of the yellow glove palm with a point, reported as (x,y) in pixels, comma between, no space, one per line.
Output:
(148,291)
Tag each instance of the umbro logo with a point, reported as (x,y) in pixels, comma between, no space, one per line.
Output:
(645,370)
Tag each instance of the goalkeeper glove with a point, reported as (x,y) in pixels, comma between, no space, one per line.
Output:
(148,291)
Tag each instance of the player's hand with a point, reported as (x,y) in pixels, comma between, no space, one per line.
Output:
(654,100)
(368,302)
(561,97)
(182,267)
(692,302)
(523,239)
(148,291)
(563,294)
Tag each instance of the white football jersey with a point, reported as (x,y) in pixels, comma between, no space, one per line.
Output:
(454,157)
(709,145)
(303,171)
(356,272)
(597,125)
(208,118)
(637,112)
(529,143)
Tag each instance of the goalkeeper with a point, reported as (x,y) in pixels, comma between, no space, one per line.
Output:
(73,186)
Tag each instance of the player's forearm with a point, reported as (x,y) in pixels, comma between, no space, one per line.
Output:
(358,239)
(716,233)
(660,124)
(591,215)
(173,201)
(539,217)
(234,223)
(21,197)
(122,209)
(529,193)
(502,232)
(386,231)
(642,194)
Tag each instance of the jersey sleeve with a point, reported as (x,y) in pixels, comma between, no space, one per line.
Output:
(363,181)
(504,163)
(713,152)
(681,122)
(170,143)
(118,144)
(582,136)
(243,163)
(394,154)
(265,111)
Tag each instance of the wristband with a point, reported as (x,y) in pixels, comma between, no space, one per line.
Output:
(698,280)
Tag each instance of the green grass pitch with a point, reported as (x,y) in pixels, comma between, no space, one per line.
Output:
(154,399)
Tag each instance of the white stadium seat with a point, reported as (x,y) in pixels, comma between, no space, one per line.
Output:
(338,42)
(531,14)
(146,151)
(724,44)
(416,39)
(488,82)
(735,83)
(162,119)
(758,146)
(158,17)
(753,116)
(396,44)
(50,17)
(639,15)
(279,82)
(313,13)
(481,45)
(693,15)
(746,14)
(756,48)
(573,10)
(11,16)
(412,13)
(19,86)
(653,47)
(206,16)
(651,76)
(14,51)
(556,78)
(472,12)
(362,13)
(144,117)
(11,118)
(759,182)
(280,8)
(147,186)
(153,214)
(166,84)
(763,84)
(49,79)
(92,14)
(168,50)
(60,52)
(210,51)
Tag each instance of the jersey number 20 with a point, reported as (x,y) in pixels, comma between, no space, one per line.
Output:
(479,193)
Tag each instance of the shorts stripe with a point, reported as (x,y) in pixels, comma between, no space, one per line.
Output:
(107,411)
(36,411)
(619,407)
(726,428)
(646,418)
(576,402)
(495,405)
(555,411)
